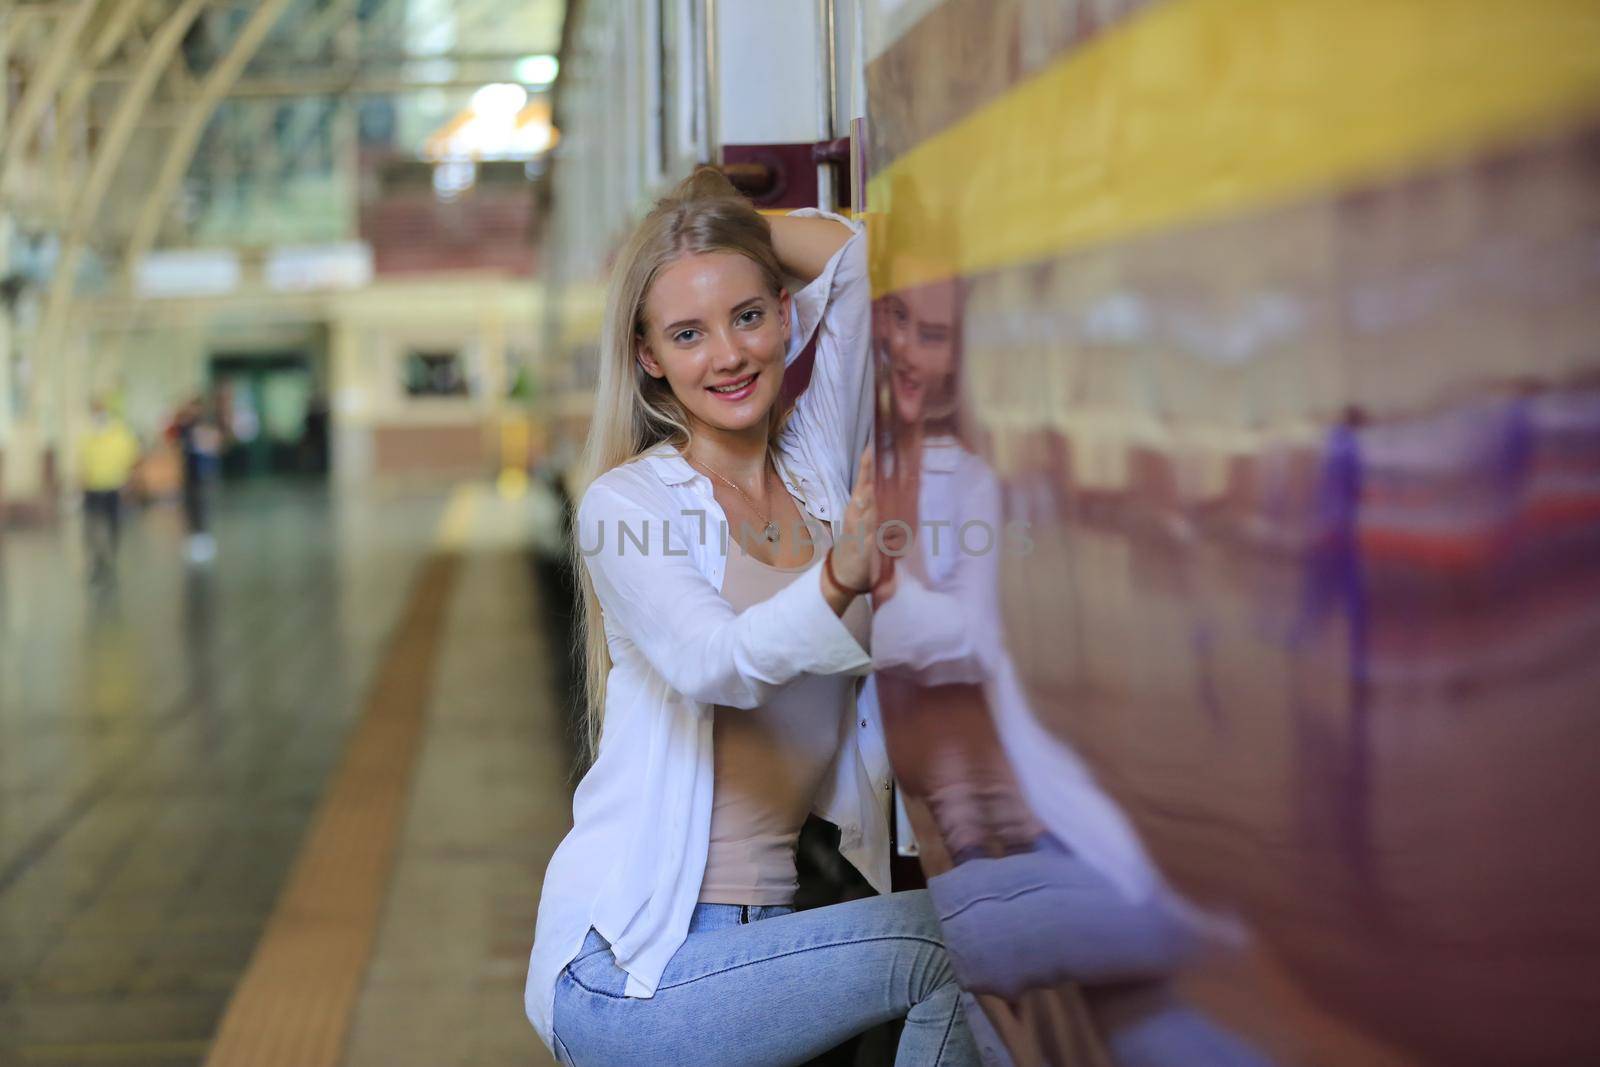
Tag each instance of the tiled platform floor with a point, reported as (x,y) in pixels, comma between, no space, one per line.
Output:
(162,746)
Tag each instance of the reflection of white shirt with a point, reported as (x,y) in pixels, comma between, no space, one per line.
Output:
(928,630)
(950,630)
(632,864)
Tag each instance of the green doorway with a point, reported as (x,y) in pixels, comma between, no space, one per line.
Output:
(271,413)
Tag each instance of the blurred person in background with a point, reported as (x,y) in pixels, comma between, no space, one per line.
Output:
(107,454)
(314,439)
(197,436)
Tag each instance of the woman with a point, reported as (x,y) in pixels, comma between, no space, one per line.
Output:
(726,548)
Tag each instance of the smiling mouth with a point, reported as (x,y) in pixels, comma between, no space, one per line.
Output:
(735,390)
(907,382)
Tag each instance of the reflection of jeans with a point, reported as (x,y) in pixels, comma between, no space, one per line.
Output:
(1041,919)
(765,987)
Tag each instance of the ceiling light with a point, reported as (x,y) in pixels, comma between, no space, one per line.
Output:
(500,101)
(537,70)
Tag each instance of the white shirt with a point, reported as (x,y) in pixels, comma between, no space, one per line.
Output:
(651,531)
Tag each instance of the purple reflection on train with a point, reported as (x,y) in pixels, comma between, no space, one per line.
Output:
(1293,689)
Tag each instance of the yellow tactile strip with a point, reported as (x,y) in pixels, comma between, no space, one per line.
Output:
(293,1006)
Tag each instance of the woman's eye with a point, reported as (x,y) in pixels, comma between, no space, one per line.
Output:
(749,316)
(684,337)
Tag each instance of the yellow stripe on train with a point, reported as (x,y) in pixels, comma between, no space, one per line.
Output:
(1199,109)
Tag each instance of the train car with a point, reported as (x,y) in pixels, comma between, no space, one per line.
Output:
(1239,394)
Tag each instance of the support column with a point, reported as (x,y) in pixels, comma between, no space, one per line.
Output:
(6,342)
(5,270)
(350,406)
(70,417)
(492,348)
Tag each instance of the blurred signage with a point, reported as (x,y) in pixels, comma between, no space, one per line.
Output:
(306,268)
(188,272)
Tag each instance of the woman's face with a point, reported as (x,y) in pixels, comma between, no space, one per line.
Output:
(718,335)
(917,330)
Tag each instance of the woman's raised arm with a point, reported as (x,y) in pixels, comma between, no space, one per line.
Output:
(804,244)
(832,418)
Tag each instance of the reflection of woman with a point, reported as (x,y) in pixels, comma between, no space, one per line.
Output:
(1020,908)
(938,640)
(726,670)
(941,740)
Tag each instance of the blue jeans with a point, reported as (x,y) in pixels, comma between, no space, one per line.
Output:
(770,986)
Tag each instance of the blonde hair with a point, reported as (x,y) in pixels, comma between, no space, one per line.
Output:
(634,412)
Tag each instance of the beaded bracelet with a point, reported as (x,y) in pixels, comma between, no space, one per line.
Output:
(827,567)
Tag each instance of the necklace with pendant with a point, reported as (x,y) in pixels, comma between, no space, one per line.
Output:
(769,529)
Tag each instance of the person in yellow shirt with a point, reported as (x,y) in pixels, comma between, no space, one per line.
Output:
(106,454)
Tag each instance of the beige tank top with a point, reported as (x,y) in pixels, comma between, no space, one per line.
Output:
(771,760)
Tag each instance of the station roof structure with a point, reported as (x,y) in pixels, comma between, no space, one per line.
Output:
(131,125)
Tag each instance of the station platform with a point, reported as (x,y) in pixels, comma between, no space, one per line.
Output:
(287,808)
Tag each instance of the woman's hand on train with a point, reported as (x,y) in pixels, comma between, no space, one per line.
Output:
(854,562)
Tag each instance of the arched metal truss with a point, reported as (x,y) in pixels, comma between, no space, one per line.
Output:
(186,138)
(166,67)
(159,51)
(47,79)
